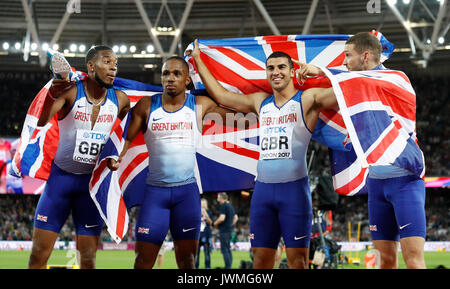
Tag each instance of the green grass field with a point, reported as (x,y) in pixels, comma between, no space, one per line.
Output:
(125,259)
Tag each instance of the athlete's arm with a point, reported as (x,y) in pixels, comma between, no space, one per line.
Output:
(213,112)
(124,104)
(314,100)
(60,99)
(239,102)
(138,122)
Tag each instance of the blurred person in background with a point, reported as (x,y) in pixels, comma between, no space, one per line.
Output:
(205,240)
(225,222)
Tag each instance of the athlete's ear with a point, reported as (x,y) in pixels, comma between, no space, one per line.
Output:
(366,56)
(90,66)
(188,80)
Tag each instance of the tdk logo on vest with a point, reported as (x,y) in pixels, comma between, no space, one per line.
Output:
(95,136)
(277,129)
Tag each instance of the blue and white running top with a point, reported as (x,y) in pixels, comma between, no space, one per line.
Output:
(284,140)
(79,143)
(171,139)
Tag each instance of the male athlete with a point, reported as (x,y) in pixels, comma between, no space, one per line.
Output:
(396,196)
(281,202)
(171,123)
(86,113)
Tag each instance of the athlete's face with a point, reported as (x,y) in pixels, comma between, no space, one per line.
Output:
(354,61)
(104,68)
(174,77)
(278,72)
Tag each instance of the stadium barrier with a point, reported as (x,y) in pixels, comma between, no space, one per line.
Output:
(443,246)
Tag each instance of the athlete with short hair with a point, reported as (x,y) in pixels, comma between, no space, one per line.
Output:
(281,202)
(396,195)
(171,123)
(86,114)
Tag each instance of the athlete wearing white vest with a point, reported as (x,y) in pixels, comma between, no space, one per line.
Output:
(80,142)
(86,113)
(171,137)
(171,123)
(281,202)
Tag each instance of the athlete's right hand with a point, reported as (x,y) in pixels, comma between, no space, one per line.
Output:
(59,85)
(112,164)
(306,70)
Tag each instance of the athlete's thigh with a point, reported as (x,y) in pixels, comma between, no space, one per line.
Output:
(264,224)
(295,213)
(86,217)
(407,195)
(382,221)
(185,215)
(152,223)
(55,202)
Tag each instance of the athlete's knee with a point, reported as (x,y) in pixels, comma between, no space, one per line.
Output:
(37,259)
(388,261)
(299,261)
(146,254)
(87,258)
(39,256)
(412,250)
(186,261)
(263,258)
(414,259)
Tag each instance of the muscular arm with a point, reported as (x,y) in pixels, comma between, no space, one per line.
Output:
(213,112)
(239,102)
(124,104)
(60,99)
(314,100)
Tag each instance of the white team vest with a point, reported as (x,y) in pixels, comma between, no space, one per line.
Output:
(79,145)
(171,139)
(283,141)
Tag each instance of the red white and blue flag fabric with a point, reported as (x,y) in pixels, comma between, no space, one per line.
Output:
(378,108)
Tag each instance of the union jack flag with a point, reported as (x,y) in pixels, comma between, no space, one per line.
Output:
(383,97)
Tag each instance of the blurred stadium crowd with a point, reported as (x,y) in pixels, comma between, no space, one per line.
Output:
(17,90)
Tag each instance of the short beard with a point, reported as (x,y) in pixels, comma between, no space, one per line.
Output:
(102,83)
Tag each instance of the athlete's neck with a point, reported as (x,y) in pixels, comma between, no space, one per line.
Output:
(370,65)
(282,96)
(94,89)
(172,103)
